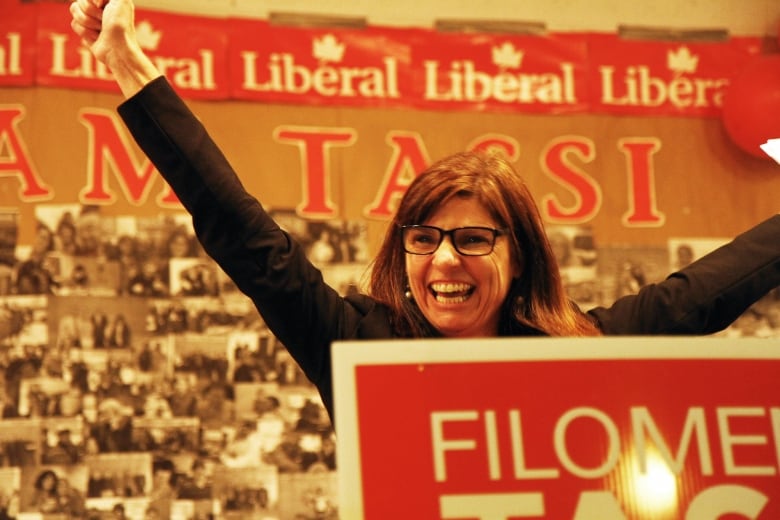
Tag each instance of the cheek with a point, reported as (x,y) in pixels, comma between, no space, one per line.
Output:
(506,273)
(503,276)
(411,268)
(505,268)
(415,270)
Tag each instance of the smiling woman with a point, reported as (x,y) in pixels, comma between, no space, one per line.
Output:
(472,283)
(512,287)
(462,294)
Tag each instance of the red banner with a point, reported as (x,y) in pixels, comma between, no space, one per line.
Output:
(320,66)
(217,58)
(495,72)
(189,50)
(17,44)
(605,428)
(643,77)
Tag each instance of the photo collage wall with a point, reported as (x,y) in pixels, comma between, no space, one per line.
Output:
(137,382)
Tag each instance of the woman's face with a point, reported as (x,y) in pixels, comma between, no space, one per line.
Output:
(462,295)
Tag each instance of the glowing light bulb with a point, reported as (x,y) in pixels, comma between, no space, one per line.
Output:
(655,489)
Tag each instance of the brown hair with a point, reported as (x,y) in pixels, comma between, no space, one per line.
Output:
(536,303)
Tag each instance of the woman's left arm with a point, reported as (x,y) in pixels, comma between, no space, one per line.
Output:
(706,296)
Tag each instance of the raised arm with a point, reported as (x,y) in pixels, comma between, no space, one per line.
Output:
(231,224)
(708,295)
(107,27)
(265,262)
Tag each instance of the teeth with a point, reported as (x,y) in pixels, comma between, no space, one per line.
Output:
(450,287)
(452,299)
(451,292)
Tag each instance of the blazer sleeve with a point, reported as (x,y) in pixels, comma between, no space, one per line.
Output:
(706,296)
(266,263)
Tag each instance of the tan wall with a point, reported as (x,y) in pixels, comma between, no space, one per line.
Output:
(704,185)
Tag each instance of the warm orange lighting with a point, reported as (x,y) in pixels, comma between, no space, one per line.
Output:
(654,490)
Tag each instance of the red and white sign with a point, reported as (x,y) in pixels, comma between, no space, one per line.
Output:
(583,429)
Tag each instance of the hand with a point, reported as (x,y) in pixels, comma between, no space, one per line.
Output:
(107,27)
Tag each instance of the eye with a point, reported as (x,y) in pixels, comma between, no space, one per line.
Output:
(423,237)
(474,237)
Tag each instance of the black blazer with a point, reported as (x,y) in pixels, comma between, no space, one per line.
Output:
(307,315)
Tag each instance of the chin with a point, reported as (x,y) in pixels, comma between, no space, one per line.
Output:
(455,332)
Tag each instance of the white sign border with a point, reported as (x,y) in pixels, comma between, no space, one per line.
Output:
(348,355)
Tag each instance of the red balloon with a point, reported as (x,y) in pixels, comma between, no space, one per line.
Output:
(751,104)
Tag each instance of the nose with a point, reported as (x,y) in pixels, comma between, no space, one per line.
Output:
(446,254)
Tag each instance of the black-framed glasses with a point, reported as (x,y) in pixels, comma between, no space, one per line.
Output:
(468,241)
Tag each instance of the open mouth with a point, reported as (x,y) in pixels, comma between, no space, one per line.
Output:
(450,292)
